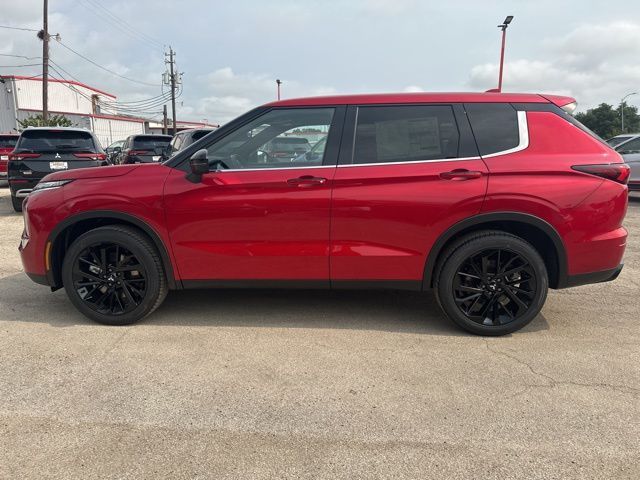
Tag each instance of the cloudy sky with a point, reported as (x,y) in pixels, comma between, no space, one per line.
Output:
(232,52)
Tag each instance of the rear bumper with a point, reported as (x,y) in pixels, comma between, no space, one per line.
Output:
(593,277)
(21,187)
(634,186)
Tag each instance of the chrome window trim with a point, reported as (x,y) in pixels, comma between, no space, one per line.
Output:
(458,159)
(222,170)
(523,134)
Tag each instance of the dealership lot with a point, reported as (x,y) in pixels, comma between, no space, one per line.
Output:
(313,384)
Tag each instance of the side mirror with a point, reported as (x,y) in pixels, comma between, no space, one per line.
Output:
(116,150)
(199,164)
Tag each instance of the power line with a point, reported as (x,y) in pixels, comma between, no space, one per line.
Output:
(19,56)
(19,28)
(140,106)
(104,68)
(106,109)
(121,24)
(24,65)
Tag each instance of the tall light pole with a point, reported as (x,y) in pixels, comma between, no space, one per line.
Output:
(503,26)
(278,83)
(622,109)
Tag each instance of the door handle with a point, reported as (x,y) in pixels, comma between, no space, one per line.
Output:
(461,174)
(306,181)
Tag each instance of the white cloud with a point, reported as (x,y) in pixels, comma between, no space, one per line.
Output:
(593,63)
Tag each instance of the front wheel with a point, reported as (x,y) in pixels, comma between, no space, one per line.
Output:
(491,283)
(114,275)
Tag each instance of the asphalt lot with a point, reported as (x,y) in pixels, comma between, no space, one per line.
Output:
(304,384)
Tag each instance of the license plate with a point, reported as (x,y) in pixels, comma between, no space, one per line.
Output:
(58,165)
(156,158)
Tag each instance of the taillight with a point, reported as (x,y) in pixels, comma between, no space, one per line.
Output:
(618,172)
(138,152)
(92,156)
(22,156)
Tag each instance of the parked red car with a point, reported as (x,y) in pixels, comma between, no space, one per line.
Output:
(7,144)
(488,199)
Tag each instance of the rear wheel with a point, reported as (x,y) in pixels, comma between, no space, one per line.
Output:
(491,283)
(17,203)
(114,275)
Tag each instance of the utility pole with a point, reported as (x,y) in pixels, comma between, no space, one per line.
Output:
(164,119)
(504,26)
(278,83)
(172,78)
(45,64)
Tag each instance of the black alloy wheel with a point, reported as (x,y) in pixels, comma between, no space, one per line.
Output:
(114,275)
(109,278)
(491,282)
(494,286)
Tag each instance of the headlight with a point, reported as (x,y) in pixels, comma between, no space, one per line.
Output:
(50,185)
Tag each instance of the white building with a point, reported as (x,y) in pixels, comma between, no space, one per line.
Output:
(21,98)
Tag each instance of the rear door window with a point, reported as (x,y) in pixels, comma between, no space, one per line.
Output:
(56,141)
(407,133)
(495,126)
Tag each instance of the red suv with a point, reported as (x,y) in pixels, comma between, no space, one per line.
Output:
(488,199)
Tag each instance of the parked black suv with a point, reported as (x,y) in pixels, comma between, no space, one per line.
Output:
(144,149)
(183,139)
(43,150)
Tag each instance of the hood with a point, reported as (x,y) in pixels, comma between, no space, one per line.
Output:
(94,172)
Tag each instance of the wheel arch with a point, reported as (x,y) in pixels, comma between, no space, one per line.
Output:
(535,230)
(69,229)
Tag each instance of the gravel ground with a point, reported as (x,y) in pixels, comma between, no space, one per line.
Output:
(312,384)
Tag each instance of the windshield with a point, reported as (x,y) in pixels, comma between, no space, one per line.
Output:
(55,141)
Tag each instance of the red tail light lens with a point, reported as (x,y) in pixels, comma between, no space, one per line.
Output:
(22,156)
(92,156)
(618,172)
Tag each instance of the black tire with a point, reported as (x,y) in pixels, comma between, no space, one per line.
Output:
(17,203)
(500,294)
(129,277)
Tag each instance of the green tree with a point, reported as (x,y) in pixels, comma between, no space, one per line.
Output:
(53,121)
(606,121)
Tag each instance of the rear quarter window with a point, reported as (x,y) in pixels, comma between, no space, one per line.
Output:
(494,125)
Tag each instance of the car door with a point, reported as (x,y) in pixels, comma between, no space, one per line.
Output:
(406,173)
(256,218)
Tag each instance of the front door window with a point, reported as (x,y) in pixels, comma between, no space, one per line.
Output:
(281,138)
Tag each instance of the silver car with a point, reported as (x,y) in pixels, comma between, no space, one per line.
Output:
(629,148)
